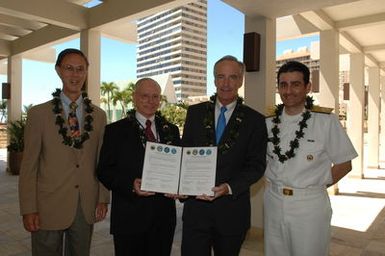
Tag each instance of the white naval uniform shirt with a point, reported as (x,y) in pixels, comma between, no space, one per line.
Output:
(324,143)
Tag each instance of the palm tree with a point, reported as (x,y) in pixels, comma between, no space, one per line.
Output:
(119,97)
(109,89)
(124,98)
(128,91)
(3,110)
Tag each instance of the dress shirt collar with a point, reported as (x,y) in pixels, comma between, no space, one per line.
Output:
(142,119)
(230,109)
(67,101)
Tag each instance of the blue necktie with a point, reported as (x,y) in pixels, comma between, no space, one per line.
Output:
(221,124)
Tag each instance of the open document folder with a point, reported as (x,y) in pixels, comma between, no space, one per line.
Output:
(179,170)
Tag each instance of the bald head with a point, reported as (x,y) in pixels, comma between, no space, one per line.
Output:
(146,96)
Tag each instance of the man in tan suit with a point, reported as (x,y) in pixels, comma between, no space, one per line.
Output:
(58,189)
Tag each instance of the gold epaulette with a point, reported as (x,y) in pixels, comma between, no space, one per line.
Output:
(323,110)
(270,112)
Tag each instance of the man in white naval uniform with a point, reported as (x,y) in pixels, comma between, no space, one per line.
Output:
(308,150)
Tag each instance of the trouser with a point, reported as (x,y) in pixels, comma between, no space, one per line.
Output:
(155,242)
(297,221)
(77,241)
(202,242)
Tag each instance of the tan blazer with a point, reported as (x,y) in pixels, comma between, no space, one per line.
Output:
(54,176)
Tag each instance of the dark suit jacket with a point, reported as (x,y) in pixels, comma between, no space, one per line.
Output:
(120,163)
(240,166)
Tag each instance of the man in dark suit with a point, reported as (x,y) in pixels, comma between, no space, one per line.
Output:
(220,222)
(142,222)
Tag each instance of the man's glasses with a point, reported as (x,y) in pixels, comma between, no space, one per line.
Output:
(71,69)
(148,97)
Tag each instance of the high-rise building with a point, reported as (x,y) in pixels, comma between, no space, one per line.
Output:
(175,41)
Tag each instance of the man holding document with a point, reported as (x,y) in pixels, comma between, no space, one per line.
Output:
(220,221)
(142,222)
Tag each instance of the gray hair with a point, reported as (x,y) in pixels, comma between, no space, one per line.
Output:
(230,58)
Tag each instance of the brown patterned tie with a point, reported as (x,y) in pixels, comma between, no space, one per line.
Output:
(73,121)
(149,134)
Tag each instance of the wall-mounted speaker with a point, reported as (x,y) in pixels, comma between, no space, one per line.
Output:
(315,81)
(6,91)
(251,51)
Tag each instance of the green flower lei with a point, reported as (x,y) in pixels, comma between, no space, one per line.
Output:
(88,119)
(294,144)
(208,123)
(159,120)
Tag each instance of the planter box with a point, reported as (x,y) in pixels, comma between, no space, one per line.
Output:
(15,162)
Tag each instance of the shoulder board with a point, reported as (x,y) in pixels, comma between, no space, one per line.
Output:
(323,110)
(270,112)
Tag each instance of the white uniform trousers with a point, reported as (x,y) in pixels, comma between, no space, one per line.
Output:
(296,221)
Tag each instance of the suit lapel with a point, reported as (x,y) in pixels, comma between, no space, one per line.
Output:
(159,131)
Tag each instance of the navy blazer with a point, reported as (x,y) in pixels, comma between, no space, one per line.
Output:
(120,163)
(240,166)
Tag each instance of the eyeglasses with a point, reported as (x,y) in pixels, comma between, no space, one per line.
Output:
(71,69)
(148,97)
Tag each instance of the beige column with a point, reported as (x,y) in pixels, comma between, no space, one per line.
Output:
(90,45)
(15,69)
(329,75)
(373,117)
(329,70)
(355,111)
(259,91)
(382,130)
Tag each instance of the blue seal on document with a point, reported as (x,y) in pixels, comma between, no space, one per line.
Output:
(166,149)
(160,148)
(201,152)
(208,152)
(173,151)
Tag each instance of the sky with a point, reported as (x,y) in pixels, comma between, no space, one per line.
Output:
(225,30)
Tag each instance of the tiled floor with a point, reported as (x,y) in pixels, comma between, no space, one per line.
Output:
(358,220)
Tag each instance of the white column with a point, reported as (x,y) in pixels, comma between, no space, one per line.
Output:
(373,117)
(259,91)
(15,69)
(355,111)
(329,70)
(90,45)
(382,131)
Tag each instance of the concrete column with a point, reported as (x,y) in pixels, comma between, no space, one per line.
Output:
(382,125)
(260,85)
(329,70)
(260,93)
(373,117)
(15,69)
(355,111)
(90,45)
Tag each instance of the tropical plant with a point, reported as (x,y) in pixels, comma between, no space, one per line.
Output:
(175,113)
(3,111)
(124,98)
(15,132)
(108,89)
(26,108)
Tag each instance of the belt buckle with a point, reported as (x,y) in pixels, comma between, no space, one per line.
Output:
(287,191)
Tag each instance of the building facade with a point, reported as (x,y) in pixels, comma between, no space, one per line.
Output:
(175,41)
